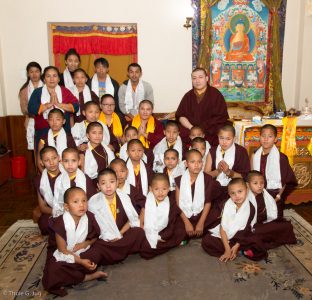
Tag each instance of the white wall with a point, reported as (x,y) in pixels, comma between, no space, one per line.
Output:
(164,45)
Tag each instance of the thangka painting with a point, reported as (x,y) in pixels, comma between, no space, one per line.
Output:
(239,50)
(239,60)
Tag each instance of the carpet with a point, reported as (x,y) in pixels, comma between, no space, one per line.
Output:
(186,272)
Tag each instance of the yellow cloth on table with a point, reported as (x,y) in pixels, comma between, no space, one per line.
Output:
(113,206)
(310,147)
(150,128)
(288,144)
(117,127)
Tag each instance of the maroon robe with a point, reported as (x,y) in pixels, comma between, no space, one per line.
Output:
(61,274)
(247,240)
(43,221)
(90,188)
(137,199)
(210,113)
(288,178)
(81,117)
(101,157)
(209,184)
(113,139)
(275,233)
(70,140)
(241,165)
(138,183)
(106,252)
(150,157)
(173,234)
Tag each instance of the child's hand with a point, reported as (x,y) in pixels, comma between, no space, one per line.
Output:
(189,229)
(234,251)
(226,255)
(83,147)
(199,229)
(88,264)
(111,147)
(224,166)
(79,246)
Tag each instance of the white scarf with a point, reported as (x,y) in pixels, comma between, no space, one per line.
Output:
(61,141)
(177,171)
(91,166)
(192,206)
(156,218)
(234,220)
(45,98)
(229,158)
(68,80)
(143,176)
(30,130)
(272,168)
(103,215)
(86,95)
(124,155)
(159,151)
(79,133)
(45,188)
(139,96)
(126,188)
(109,88)
(270,205)
(73,236)
(62,183)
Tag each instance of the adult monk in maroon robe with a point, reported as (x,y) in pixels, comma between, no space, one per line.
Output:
(202,106)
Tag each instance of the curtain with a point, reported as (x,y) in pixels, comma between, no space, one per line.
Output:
(116,42)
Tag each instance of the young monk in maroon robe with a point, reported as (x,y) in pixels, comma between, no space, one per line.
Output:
(202,106)
(72,175)
(272,231)
(56,136)
(82,92)
(193,195)
(162,224)
(121,170)
(131,133)
(44,184)
(98,156)
(72,234)
(150,130)
(119,222)
(234,231)
(139,173)
(227,160)
(280,179)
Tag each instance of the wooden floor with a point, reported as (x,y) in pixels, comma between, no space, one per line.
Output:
(18,199)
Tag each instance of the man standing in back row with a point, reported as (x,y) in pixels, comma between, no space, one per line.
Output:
(133,91)
(202,106)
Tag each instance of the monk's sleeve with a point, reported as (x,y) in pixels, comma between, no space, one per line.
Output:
(69,98)
(157,135)
(182,110)
(288,176)
(219,114)
(167,232)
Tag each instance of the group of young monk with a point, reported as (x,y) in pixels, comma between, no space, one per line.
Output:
(113,184)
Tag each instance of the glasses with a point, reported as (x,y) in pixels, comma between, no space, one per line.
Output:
(108,105)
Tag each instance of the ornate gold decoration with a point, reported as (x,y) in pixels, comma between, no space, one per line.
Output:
(303,174)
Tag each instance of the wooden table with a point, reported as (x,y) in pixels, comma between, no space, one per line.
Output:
(248,135)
